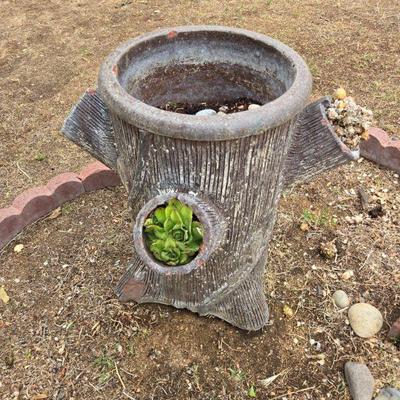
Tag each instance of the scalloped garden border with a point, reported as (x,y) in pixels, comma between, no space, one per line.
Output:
(381,149)
(38,202)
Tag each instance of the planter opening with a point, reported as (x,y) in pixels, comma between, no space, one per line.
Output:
(173,234)
(211,67)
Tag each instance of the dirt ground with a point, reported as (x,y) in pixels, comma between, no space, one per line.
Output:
(63,335)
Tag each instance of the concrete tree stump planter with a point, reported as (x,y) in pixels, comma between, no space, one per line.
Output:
(229,169)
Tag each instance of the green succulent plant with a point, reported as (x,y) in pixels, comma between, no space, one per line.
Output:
(172,235)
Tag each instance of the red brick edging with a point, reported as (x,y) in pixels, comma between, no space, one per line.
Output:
(38,202)
(381,149)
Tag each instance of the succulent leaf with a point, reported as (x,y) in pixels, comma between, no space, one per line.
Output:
(175,217)
(159,215)
(179,234)
(168,224)
(197,231)
(175,203)
(186,214)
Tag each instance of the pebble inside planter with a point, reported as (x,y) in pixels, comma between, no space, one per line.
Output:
(230,170)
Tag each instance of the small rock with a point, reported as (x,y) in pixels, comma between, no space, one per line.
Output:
(388,393)
(394,331)
(221,113)
(315,344)
(253,107)
(357,219)
(365,319)
(347,275)
(328,250)
(207,111)
(341,299)
(18,248)
(360,380)
(61,349)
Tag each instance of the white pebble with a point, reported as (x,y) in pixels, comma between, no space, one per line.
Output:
(253,107)
(205,112)
(347,275)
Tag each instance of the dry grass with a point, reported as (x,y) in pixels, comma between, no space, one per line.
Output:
(66,336)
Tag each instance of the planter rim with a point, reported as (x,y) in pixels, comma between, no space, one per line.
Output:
(204,128)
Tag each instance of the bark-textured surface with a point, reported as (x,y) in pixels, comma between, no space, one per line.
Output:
(315,147)
(90,127)
(242,179)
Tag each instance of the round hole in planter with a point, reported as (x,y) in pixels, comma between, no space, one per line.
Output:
(168,258)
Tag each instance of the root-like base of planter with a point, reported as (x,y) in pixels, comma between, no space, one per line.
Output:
(244,307)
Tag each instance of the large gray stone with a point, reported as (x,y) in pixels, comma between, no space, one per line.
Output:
(388,393)
(360,380)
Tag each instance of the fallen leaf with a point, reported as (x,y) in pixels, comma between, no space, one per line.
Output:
(365,135)
(304,227)
(267,381)
(3,295)
(252,392)
(62,348)
(40,396)
(18,248)
(288,311)
(55,214)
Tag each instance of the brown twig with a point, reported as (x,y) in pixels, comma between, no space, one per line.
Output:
(291,393)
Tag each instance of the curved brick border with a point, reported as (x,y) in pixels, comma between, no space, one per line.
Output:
(381,149)
(38,202)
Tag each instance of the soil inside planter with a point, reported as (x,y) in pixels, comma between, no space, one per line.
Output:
(227,107)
